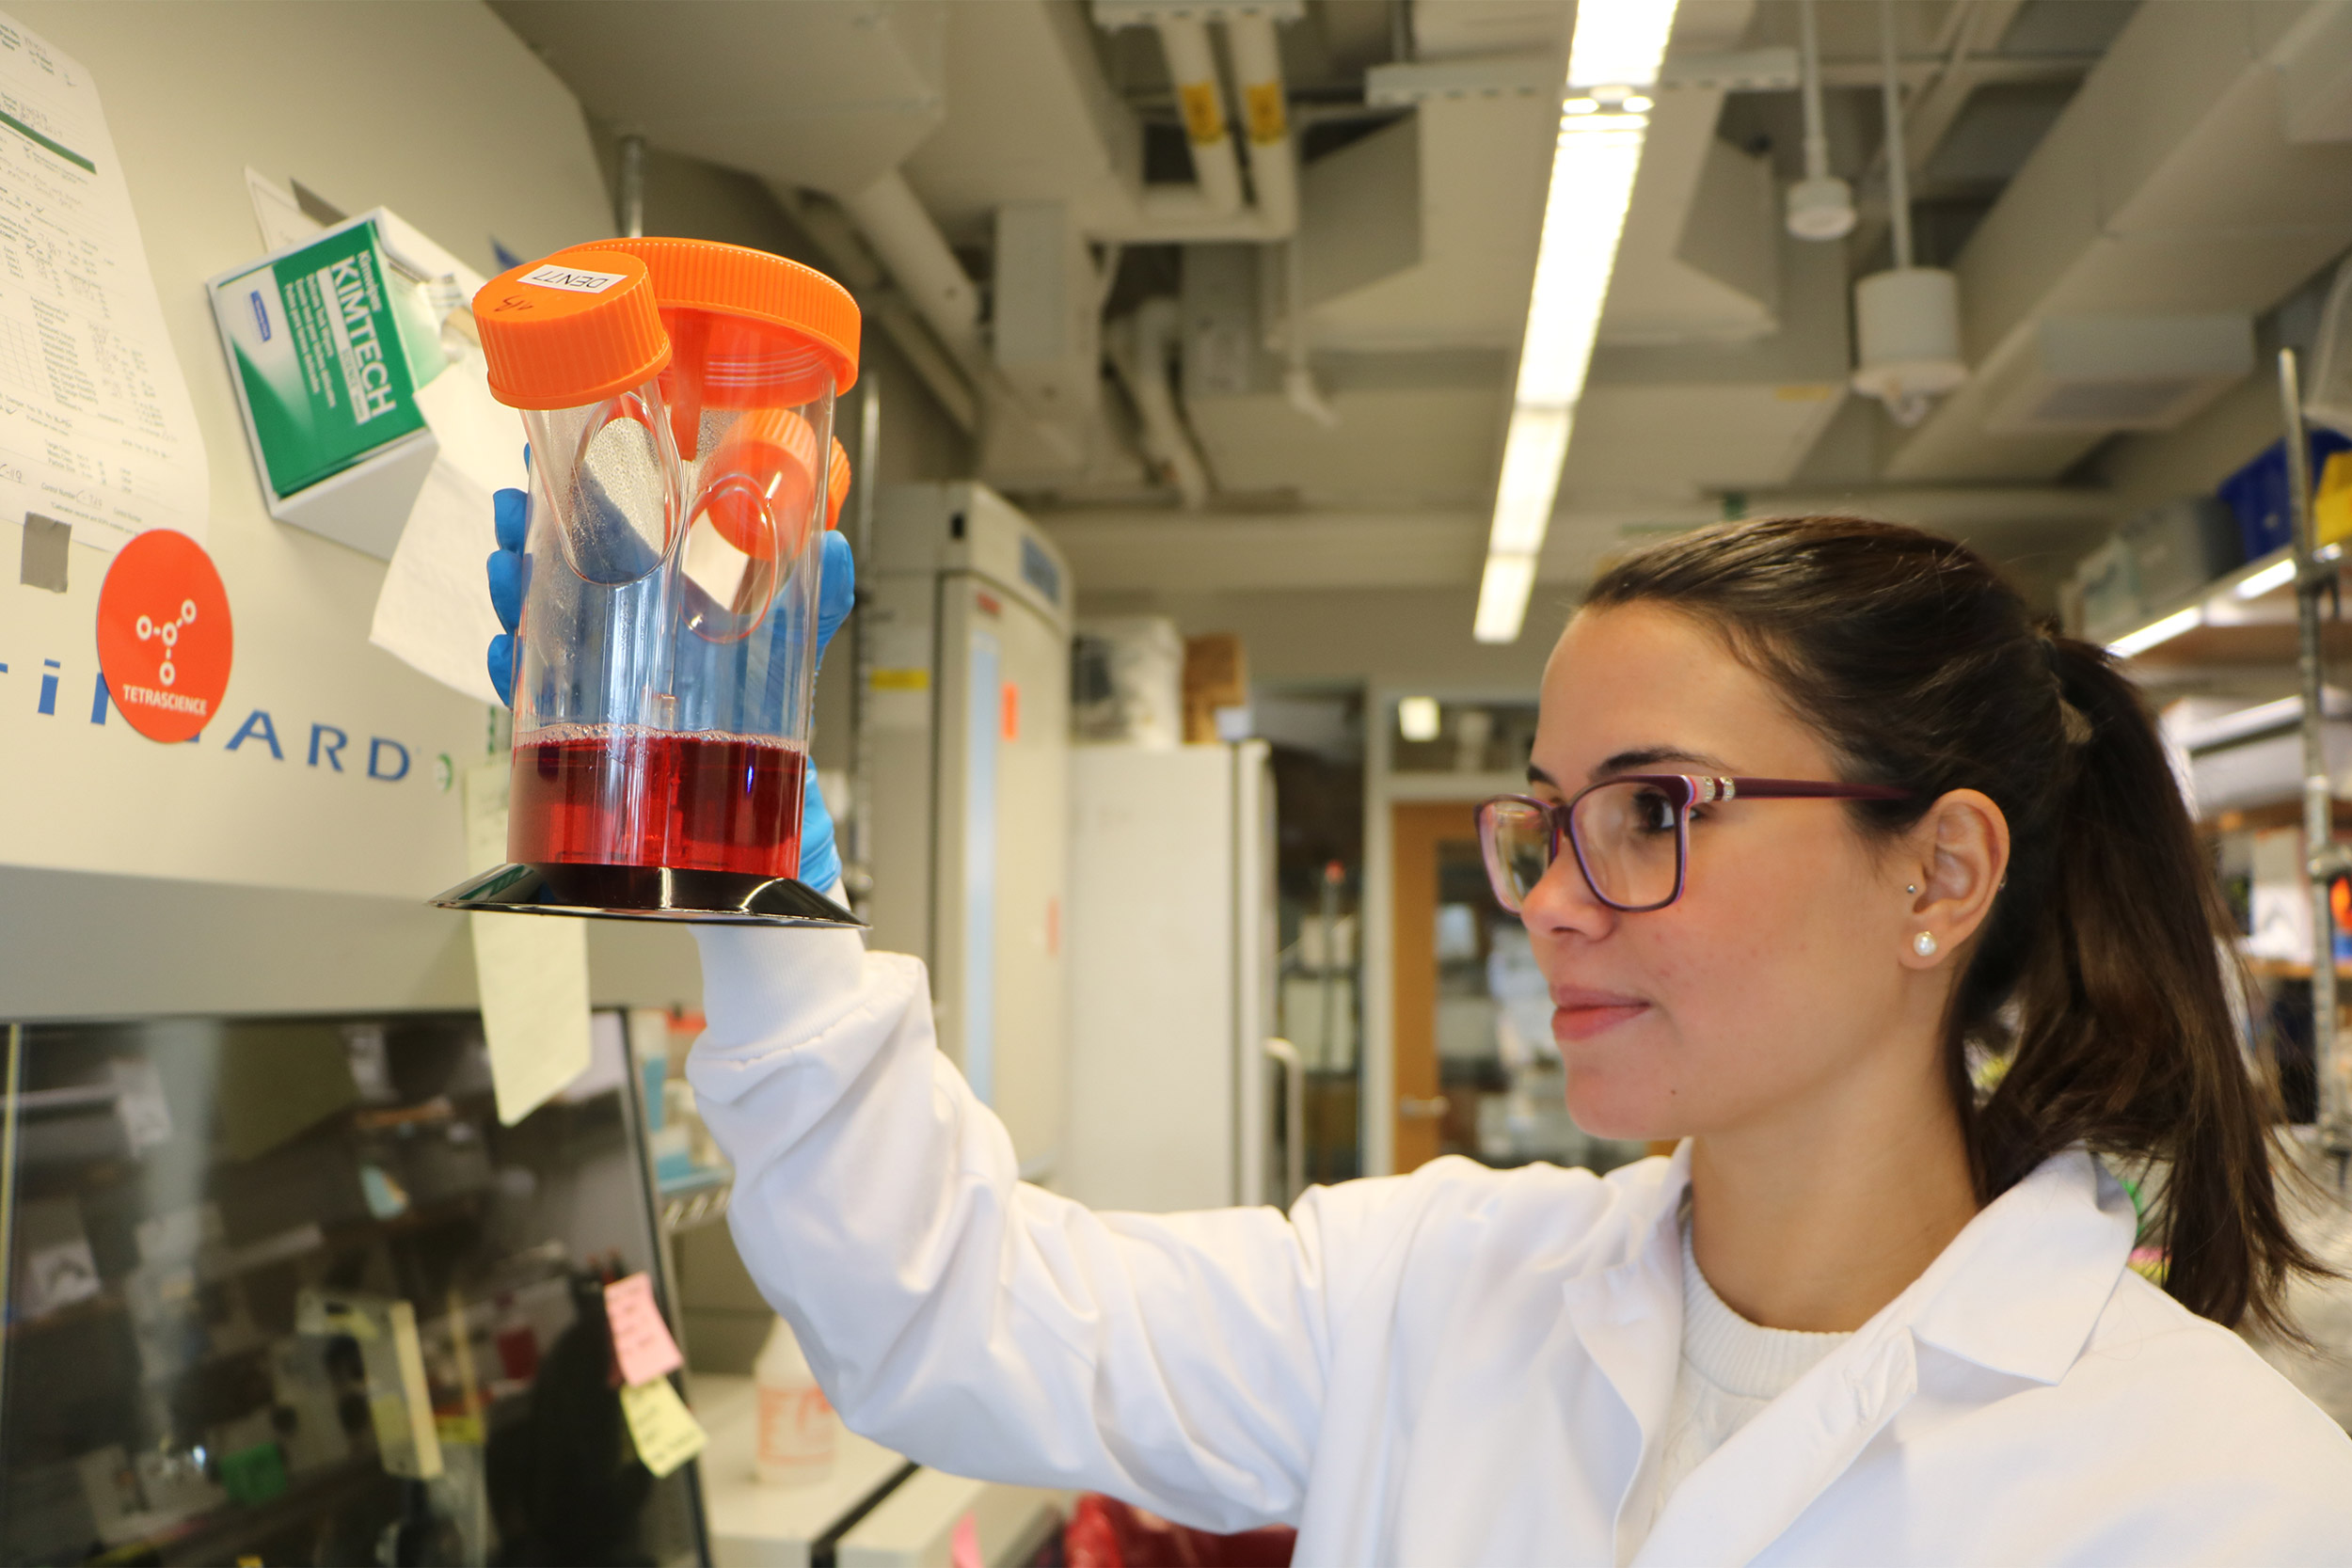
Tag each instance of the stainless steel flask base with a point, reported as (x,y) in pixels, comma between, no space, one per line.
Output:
(647,893)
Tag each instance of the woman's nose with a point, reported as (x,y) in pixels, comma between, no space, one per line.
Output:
(1562,901)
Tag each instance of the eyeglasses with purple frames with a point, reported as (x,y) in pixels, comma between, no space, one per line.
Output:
(1630,833)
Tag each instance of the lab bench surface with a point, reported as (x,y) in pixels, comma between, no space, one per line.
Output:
(874,1510)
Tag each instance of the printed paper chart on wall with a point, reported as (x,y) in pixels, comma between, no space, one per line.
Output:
(96,427)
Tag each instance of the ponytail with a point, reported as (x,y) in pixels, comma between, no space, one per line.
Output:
(2100,978)
(2125,1040)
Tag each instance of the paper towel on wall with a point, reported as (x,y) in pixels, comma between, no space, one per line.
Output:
(433,612)
(531,970)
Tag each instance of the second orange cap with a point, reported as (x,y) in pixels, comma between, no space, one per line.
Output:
(569,332)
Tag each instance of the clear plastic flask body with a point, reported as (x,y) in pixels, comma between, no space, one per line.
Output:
(750,414)
(594,689)
(678,396)
(668,626)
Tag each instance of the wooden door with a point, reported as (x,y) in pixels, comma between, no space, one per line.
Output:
(1417,832)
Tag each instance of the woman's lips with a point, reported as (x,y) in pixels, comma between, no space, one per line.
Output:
(1580,1013)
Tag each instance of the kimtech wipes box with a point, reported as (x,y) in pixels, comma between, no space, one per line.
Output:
(328,343)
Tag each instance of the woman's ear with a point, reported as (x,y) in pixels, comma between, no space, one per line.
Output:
(1961,851)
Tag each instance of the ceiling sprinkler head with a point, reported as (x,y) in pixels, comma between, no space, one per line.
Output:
(1821,209)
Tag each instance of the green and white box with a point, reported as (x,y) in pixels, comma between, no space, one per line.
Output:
(328,343)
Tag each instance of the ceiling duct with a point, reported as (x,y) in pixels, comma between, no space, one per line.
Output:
(2169,186)
(1047,324)
(2100,373)
(829,97)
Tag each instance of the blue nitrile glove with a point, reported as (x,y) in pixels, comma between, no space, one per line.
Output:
(510,513)
(836,590)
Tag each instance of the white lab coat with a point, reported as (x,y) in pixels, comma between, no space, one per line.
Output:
(1460,1366)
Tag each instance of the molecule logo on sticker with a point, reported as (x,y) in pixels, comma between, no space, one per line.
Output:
(165,640)
(170,632)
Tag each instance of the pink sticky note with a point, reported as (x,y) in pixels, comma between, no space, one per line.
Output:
(964,1547)
(641,1340)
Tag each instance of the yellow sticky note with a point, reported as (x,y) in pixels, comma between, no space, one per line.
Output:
(665,1431)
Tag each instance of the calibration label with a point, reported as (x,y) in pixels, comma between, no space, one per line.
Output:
(572,279)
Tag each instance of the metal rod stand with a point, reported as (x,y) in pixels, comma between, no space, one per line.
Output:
(2324,861)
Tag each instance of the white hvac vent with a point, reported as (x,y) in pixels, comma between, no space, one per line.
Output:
(2121,373)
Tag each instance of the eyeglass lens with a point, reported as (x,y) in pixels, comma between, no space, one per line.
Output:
(1626,836)
(1517,838)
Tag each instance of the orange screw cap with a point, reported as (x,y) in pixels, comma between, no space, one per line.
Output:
(572,330)
(837,485)
(765,467)
(704,275)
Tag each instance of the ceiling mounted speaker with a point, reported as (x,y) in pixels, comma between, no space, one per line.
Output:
(1907,321)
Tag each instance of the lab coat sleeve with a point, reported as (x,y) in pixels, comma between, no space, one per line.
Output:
(973,1322)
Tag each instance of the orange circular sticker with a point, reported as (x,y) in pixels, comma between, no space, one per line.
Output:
(164,636)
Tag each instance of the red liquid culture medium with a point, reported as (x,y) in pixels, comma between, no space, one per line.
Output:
(623,795)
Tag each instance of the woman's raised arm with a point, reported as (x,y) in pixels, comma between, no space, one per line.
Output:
(981,1324)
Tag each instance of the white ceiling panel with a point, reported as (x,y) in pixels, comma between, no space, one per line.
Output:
(1391,450)
(1180,553)
(1673,441)
(1451,29)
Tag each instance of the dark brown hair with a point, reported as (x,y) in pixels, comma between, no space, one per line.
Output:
(2100,967)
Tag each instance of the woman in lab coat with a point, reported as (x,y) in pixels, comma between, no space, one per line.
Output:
(1870,1312)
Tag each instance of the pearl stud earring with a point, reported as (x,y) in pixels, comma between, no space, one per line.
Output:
(1924,944)
(1910,887)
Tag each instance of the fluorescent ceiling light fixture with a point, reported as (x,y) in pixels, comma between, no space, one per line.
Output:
(1502,593)
(1417,718)
(1532,453)
(1592,185)
(1618,48)
(2277,575)
(1619,43)
(2155,632)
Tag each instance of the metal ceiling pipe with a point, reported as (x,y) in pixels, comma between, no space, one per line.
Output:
(631,204)
(1193,68)
(1820,205)
(911,246)
(1265,118)
(1274,173)
(1898,160)
(1142,349)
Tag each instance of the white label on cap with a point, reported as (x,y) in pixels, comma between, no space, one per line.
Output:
(573,279)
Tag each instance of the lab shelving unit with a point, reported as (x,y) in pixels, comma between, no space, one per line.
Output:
(2282,608)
